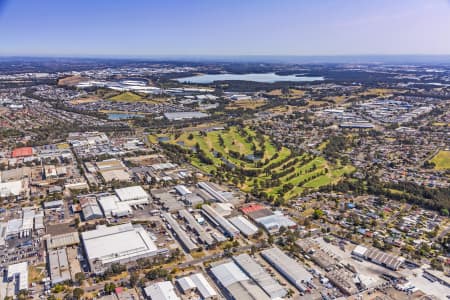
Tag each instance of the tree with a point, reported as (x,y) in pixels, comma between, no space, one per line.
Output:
(109,287)
(134,278)
(317,214)
(79,277)
(77,293)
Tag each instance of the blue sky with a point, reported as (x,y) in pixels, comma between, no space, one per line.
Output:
(223,27)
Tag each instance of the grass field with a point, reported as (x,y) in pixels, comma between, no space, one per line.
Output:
(442,160)
(246,104)
(126,97)
(253,163)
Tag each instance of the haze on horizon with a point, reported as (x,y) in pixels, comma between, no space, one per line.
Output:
(208,27)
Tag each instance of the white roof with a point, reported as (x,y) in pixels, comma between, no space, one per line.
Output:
(20,270)
(244,225)
(204,288)
(186,283)
(110,244)
(228,273)
(12,188)
(132,193)
(108,203)
(359,250)
(161,291)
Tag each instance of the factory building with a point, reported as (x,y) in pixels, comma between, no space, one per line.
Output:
(198,283)
(203,236)
(113,207)
(236,284)
(245,226)
(181,235)
(255,271)
(378,257)
(161,291)
(133,195)
(295,273)
(18,274)
(116,244)
(227,228)
(90,208)
(58,265)
(216,194)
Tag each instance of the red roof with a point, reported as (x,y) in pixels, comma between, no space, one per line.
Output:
(22,152)
(251,208)
(118,290)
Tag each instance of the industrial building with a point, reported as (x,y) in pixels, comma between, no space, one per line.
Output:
(344,280)
(18,274)
(227,228)
(198,283)
(182,190)
(182,236)
(11,189)
(133,195)
(116,244)
(255,271)
(113,207)
(90,208)
(58,265)
(274,222)
(177,116)
(245,226)
(379,257)
(203,236)
(236,284)
(161,291)
(216,194)
(288,267)
(63,240)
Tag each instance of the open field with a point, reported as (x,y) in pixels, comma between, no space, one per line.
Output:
(442,160)
(126,97)
(292,93)
(246,104)
(84,100)
(252,162)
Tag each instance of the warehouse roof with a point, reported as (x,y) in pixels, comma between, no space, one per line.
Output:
(63,240)
(261,277)
(161,291)
(22,152)
(19,272)
(228,273)
(275,222)
(199,282)
(287,266)
(244,225)
(11,188)
(110,244)
(132,193)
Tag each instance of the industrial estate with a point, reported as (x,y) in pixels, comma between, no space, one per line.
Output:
(169,181)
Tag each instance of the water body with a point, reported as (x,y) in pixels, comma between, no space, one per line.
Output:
(257,77)
(123,116)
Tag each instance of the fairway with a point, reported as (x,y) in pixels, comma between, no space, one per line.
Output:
(442,160)
(253,162)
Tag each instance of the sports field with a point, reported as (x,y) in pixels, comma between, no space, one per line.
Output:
(253,163)
(442,160)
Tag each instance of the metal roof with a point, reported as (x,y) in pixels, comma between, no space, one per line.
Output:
(133,194)
(260,275)
(161,291)
(244,225)
(288,267)
(112,244)
(19,272)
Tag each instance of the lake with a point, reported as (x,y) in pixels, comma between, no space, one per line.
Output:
(257,77)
